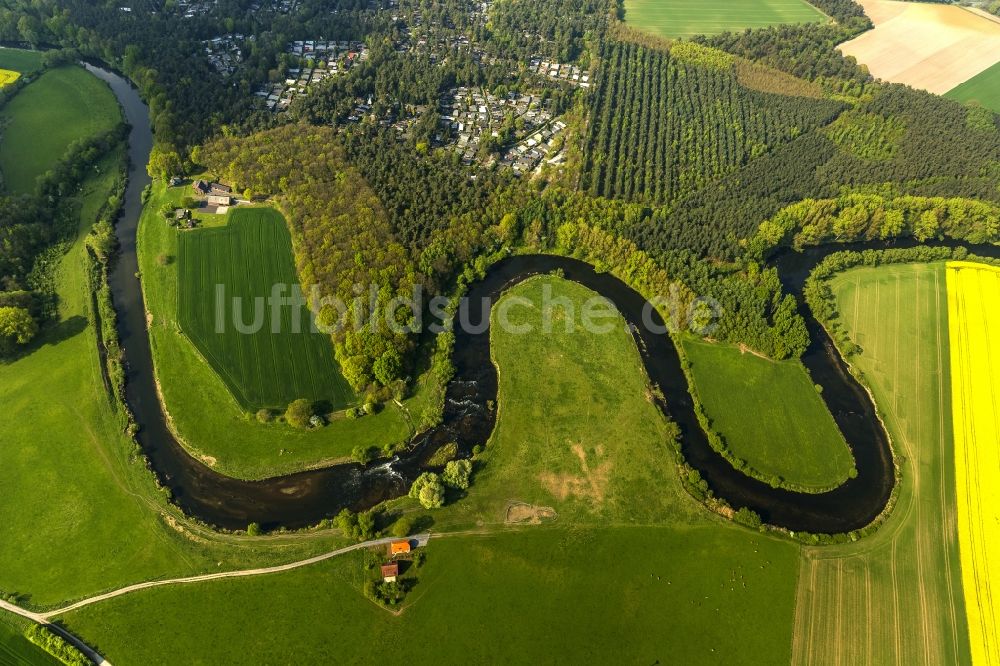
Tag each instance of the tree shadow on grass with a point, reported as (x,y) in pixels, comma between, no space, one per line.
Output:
(51,335)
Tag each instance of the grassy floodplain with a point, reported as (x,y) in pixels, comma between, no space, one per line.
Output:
(983,88)
(770,415)
(896,596)
(685,18)
(973,298)
(20,60)
(45,117)
(211,423)
(626,568)
(265,368)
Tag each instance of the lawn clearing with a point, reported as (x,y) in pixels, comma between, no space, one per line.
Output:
(272,365)
(39,124)
(925,45)
(20,60)
(770,415)
(983,89)
(629,569)
(211,424)
(895,597)
(973,299)
(685,18)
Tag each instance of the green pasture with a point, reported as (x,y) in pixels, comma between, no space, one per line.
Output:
(626,568)
(39,124)
(770,415)
(20,60)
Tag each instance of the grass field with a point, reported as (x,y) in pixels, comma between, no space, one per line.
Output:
(272,366)
(7,77)
(15,649)
(895,597)
(983,88)
(629,570)
(63,105)
(685,18)
(973,298)
(204,412)
(20,60)
(770,415)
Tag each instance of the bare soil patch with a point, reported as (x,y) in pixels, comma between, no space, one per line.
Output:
(519,513)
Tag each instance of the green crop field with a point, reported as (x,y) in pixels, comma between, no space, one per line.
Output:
(895,597)
(20,60)
(685,18)
(265,365)
(983,88)
(212,425)
(61,106)
(15,649)
(770,415)
(629,570)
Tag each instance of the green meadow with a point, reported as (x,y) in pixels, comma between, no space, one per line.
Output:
(203,411)
(770,415)
(686,18)
(625,567)
(45,117)
(20,60)
(265,361)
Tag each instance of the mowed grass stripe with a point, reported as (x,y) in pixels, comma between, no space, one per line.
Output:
(267,367)
(973,299)
(682,18)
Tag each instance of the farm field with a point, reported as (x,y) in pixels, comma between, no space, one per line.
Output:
(686,585)
(686,18)
(211,424)
(20,60)
(263,367)
(925,45)
(61,106)
(975,338)
(896,596)
(770,415)
(983,88)
(7,77)
(15,649)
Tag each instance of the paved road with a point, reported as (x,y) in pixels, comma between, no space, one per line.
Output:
(46,617)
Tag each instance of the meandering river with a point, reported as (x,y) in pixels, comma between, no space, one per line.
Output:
(305,498)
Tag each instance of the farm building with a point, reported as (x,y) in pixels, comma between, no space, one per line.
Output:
(219,200)
(399,548)
(182,214)
(201,187)
(390,572)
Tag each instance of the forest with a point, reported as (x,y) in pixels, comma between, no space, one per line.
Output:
(664,123)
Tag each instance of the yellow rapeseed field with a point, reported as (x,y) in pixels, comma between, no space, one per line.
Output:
(974,327)
(8,77)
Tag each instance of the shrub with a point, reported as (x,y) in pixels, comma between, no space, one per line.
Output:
(402,527)
(429,490)
(56,646)
(456,474)
(299,413)
(253,529)
(265,415)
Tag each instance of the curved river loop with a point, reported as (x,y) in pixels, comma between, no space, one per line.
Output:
(303,499)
